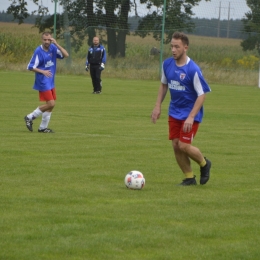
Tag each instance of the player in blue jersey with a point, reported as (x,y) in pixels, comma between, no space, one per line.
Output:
(188,88)
(95,62)
(43,63)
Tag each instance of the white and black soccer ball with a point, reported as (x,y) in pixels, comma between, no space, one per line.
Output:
(134,180)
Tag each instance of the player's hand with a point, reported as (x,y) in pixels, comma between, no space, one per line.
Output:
(102,66)
(47,73)
(53,41)
(87,67)
(155,114)
(187,126)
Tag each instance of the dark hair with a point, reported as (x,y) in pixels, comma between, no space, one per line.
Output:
(46,33)
(183,37)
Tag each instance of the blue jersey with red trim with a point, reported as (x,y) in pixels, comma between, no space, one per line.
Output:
(44,60)
(185,84)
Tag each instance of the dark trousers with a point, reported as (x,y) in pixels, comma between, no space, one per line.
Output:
(95,74)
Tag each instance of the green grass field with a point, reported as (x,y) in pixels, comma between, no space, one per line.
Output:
(63,195)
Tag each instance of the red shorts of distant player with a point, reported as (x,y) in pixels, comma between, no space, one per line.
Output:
(47,95)
(176,130)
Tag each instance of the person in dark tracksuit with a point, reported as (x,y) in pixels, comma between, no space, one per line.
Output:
(96,60)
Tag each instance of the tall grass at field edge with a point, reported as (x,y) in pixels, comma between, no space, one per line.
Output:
(222,60)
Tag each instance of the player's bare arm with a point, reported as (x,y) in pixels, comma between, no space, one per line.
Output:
(46,73)
(63,51)
(157,109)
(187,126)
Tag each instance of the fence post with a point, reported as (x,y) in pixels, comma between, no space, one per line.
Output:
(162,37)
(259,75)
(55,18)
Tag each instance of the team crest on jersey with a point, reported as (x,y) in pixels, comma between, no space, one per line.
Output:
(182,76)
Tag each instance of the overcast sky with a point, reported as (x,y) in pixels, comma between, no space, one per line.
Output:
(4,4)
(236,9)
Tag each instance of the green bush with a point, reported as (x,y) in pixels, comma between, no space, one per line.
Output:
(249,62)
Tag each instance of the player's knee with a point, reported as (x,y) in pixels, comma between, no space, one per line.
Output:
(175,145)
(183,147)
(51,104)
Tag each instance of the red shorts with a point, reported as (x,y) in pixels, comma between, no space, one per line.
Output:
(176,130)
(47,95)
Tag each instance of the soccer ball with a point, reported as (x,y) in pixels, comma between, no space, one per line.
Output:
(134,180)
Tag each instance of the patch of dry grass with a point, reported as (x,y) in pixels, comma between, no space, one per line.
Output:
(18,29)
(213,41)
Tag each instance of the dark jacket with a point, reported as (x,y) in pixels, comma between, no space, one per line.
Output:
(96,55)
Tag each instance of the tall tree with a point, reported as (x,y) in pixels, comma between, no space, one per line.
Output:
(123,26)
(252,26)
(90,20)
(85,17)
(110,22)
(178,14)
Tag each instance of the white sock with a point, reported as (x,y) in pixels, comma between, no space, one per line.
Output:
(46,116)
(36,113)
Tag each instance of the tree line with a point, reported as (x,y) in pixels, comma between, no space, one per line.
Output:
(202,27)
(206,27)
